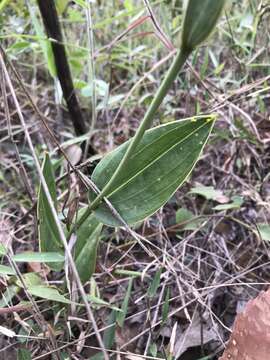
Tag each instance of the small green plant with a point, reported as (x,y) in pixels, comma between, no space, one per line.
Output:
(138,177)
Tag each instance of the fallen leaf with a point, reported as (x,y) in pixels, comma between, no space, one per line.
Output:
(264,231)
(74,154)
(208,192)
(250,339)
(191,337)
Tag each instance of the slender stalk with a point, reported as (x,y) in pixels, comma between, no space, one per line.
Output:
(147,121)
(92,75)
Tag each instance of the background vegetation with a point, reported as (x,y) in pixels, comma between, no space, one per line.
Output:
(172,286)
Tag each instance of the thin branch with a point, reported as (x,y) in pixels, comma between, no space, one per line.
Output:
(160,33)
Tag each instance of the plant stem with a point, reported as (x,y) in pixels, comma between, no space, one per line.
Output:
(145,124)
(147,121)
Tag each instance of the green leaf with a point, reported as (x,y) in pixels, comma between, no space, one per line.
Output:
(160,164)
(199,21)
(128,5)
(236,203)
(3,4)
(64,356)
(49,239)
(207,192)
(122,315)
(109,333)
(23,332)
(8,295)
(98,356)
(61,6)
(44,43)
(264,230)
(101,88)
(108,337)
(153,350)
(29,279)
(127,273)
(49,257)
(152,290)
(166,306)
(101,302)
(48,293)
(183,215)
(189,220)
(19,46)
(3,249)
(23,354)
(6,270)
(87,241)
(82,3)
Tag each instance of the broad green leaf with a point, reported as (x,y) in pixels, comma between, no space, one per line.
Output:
(49,239)
(160,164)
(264,230)
(122,315)
(87,241)
(6,270)
(39,257)
(24,354)
(48,293)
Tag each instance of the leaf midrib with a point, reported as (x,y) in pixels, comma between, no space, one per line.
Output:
(156,159)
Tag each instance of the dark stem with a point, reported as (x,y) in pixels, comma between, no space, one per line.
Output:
(53,29)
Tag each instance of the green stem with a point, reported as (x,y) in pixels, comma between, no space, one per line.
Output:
(147,121)
(145,124)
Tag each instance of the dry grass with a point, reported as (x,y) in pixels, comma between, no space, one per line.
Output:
(207,274)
